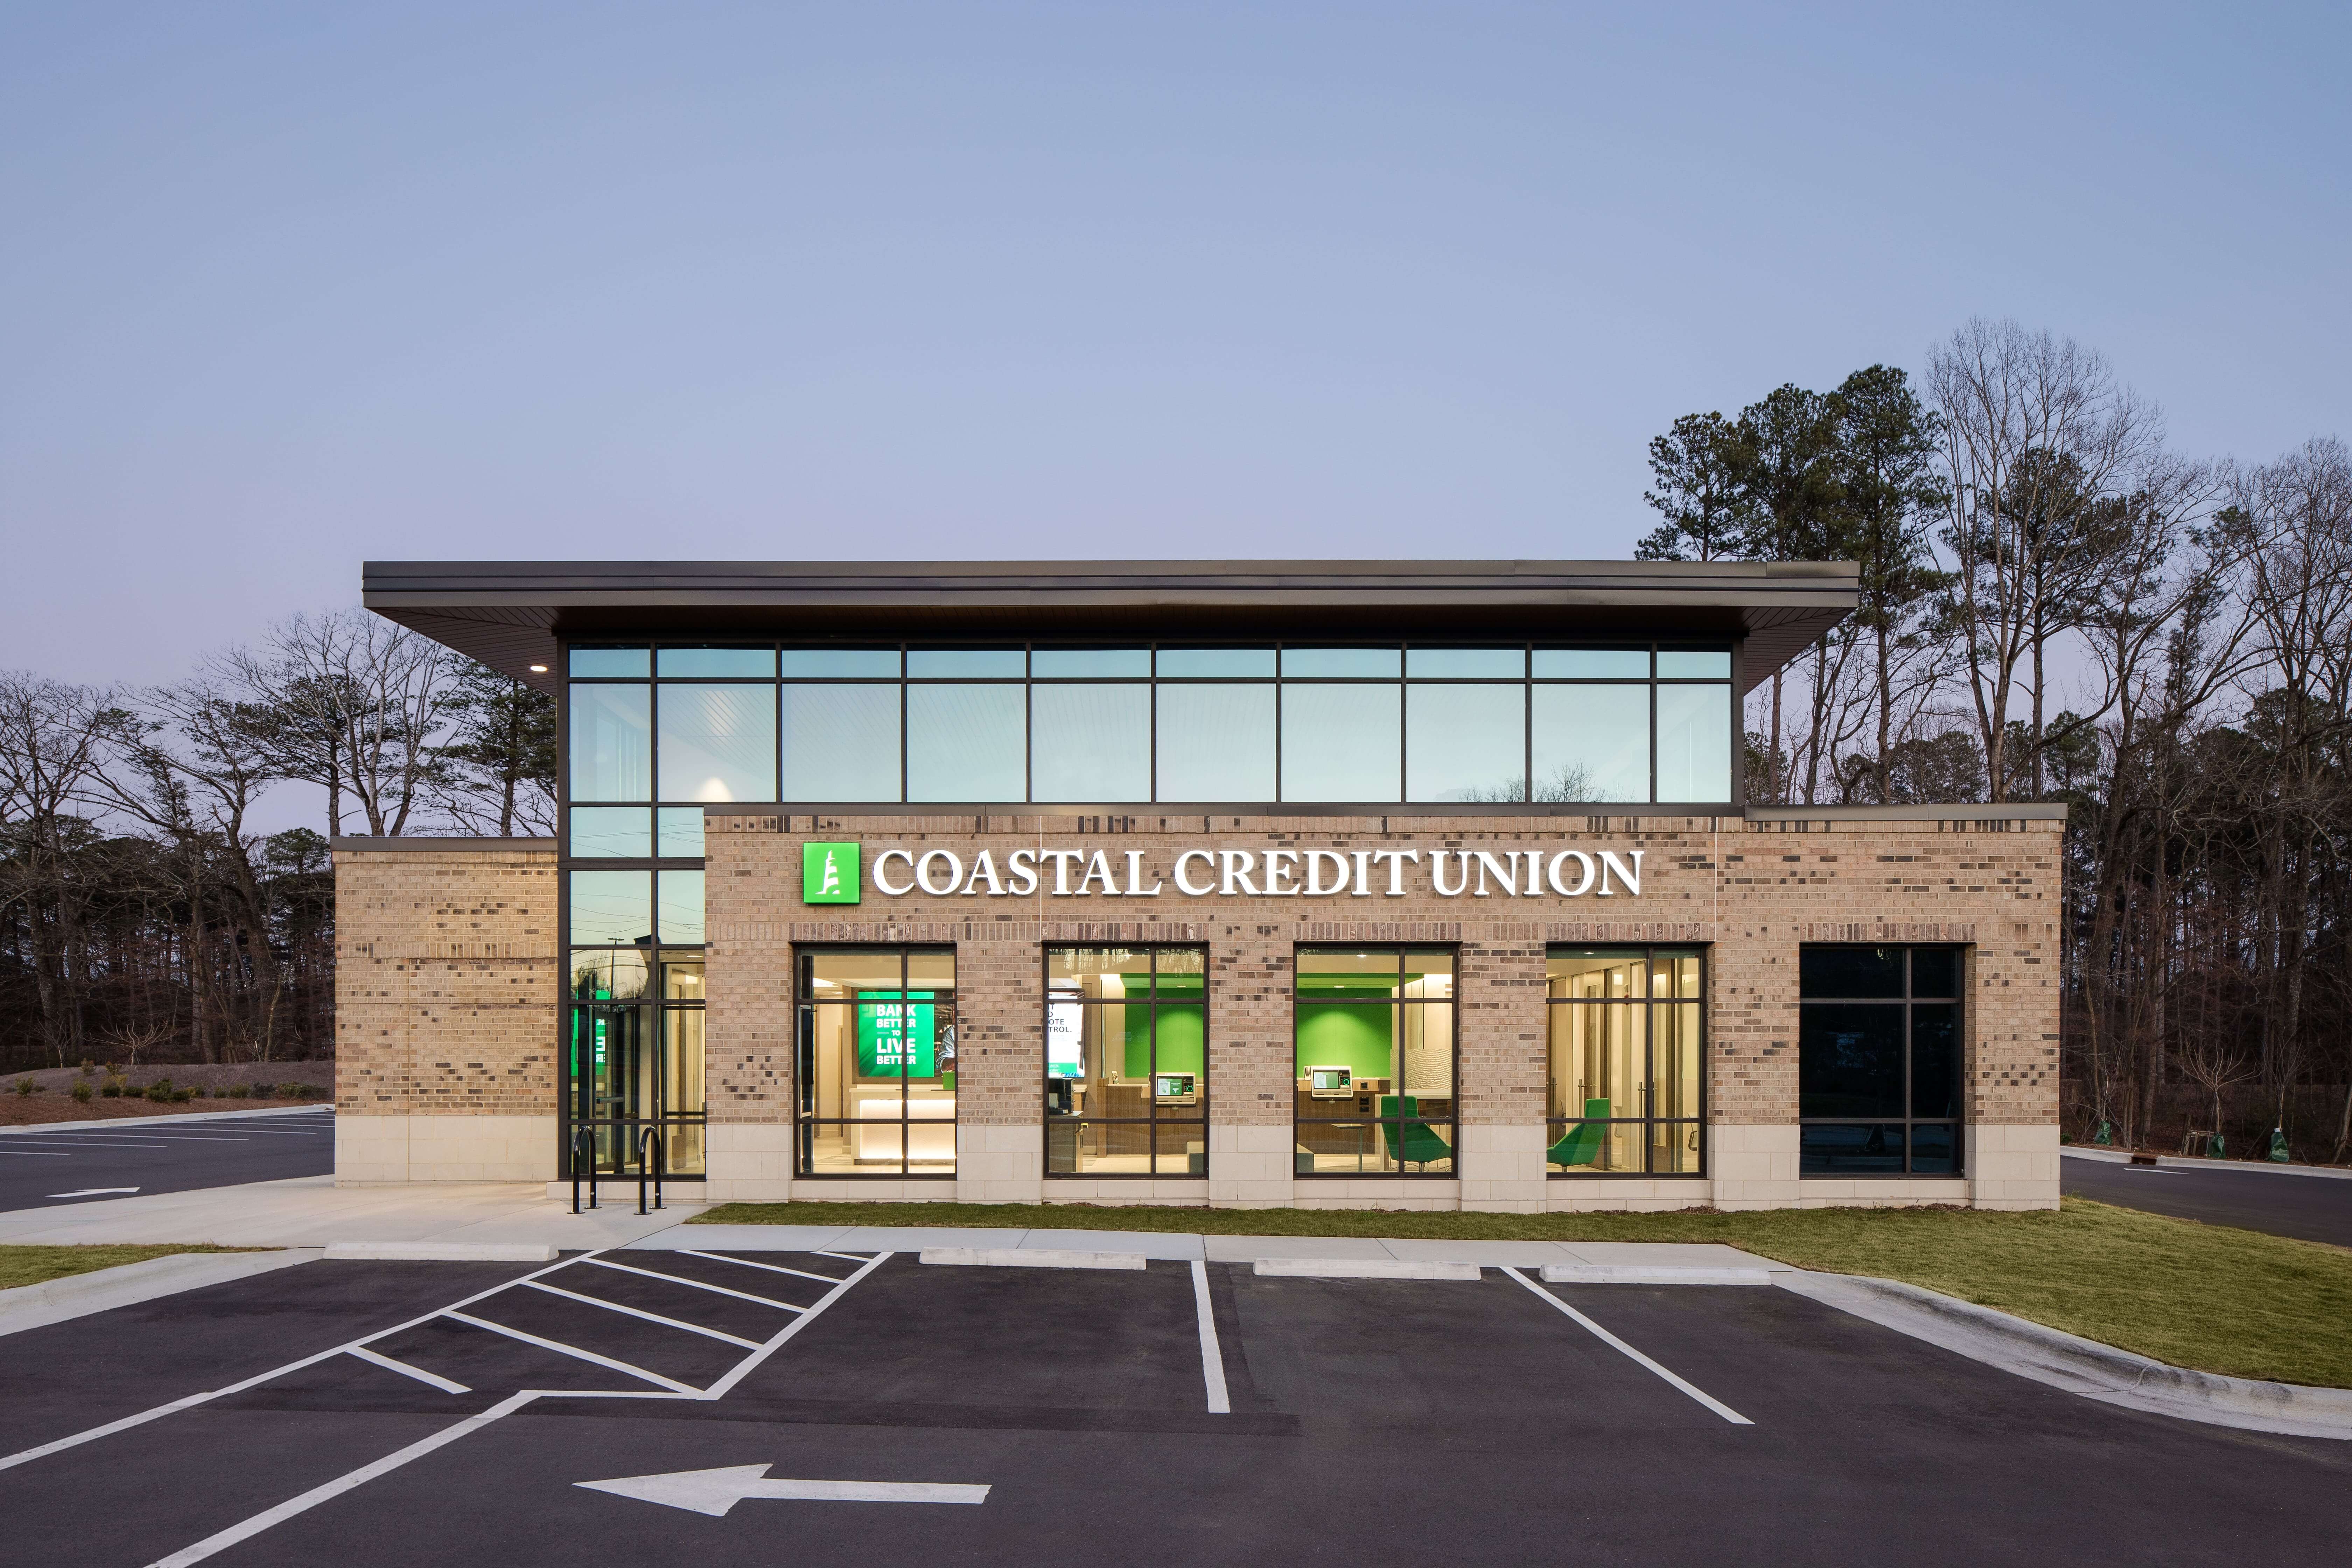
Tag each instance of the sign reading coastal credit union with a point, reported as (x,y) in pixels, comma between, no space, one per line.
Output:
(1224,873)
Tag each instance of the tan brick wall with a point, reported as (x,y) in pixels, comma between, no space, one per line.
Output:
(1754,890)
(446,981)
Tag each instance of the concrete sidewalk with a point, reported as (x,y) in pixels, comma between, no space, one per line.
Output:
(312,1211)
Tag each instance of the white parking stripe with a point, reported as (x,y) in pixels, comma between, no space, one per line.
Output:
(402,1367)
(751,1363)
(1712,1403)
(339,1485)
(648,1317)
(698,1285)
(771,1268)
(1213,1358)
(850,1257)
(40,1154)
(573,1351)
(78,1438)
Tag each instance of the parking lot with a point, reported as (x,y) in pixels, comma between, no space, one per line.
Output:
(42,1167)
(376,1412)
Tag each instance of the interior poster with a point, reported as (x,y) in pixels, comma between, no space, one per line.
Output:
(896,1035)
(1064,1052)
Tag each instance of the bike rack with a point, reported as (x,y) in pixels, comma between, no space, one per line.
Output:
(583,1134)
(653,1154)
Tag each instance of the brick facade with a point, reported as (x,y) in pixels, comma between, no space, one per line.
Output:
(459,946)
(447,985)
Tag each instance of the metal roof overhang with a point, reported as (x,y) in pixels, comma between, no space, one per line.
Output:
(511,615)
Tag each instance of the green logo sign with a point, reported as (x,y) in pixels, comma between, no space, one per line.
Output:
(828,873)
(897,1033)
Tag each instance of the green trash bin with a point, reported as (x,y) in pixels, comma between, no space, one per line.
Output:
(2278,1144)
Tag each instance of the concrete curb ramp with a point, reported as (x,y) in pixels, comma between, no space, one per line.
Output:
(1361,1269)
(2081,1366)
(1028,1257)
(1636,1274)
(443,1252)
(127,1284)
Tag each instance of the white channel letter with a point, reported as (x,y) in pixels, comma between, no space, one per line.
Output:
(1135,889)
(1061,859)
(880,884)
(1562,889)
(923,872)
(1363,859)
(1437,859)
(1183,884)
(1021,864)
(1099,867)
(1506,871)
(1278,866)
(1633,879)
(1396,859)
(984,866)
(1239,864)
(1314,859)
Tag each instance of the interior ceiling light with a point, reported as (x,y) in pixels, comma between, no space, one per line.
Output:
(539,669)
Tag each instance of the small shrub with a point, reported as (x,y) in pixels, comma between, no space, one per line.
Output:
(112,1089)
(160,1091)
(183,1094)
(81,1091)
(88,1067)
(198,1092)
(25,1084)
(265,1091)
(238,1091)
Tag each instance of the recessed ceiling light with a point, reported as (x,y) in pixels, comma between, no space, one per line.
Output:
(539,669)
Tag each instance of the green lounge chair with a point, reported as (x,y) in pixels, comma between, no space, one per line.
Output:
(1580,1145)
(1410,1142)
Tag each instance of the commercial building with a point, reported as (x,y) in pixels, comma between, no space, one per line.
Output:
(1391,884)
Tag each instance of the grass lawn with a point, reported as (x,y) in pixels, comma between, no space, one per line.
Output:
(32,1265)
(2209,1296)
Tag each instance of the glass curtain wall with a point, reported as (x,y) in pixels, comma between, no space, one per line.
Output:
(877,1063)
(1126,1061)
(650,735)
(1375,1062)
(662,730)
(1878,1061)
(1626,1094)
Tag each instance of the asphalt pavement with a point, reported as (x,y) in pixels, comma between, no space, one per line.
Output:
(2313,1208)
(42,1168)
(851,1407)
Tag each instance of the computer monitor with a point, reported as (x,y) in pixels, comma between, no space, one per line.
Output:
(1331,1083)
(1175,1089)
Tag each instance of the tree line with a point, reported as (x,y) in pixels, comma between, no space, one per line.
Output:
(144,912)
(2058,606)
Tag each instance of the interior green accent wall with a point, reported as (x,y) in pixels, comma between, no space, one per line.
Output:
(1183,1040)
(1355,1037)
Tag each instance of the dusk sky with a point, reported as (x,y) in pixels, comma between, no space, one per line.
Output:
(290,287)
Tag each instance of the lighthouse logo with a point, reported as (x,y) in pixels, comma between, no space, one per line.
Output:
(828,873)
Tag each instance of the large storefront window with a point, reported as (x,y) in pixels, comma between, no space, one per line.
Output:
(1371,723)
(1126,1061)
(1627,1062)
(1878,1061)
(634,1063)
(1375,1058)
(877,1063)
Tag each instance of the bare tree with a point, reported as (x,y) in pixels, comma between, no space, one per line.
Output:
(2036,432)
(52,741)
(353,703)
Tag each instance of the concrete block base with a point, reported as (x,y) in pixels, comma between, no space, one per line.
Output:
(380,1150)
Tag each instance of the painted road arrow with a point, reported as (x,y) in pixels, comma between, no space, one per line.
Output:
(93,1191)
(715,1491)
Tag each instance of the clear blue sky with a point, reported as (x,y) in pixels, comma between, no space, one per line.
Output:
(286,287)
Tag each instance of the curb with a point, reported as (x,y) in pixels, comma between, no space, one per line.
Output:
(1028,1257)
(35,1128)
(127,1284)
(2078,1365)
(2192,1163)
(1360,1269)
(442,1252)
(1649,1273)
